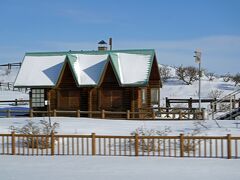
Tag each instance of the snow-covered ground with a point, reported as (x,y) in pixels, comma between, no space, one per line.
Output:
(116,168)
(125,127)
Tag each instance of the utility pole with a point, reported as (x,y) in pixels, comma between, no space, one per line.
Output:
(198,61)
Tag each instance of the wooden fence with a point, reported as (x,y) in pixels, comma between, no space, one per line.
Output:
(102,145)
(10,87)
(10,65)
(235,102)
(153,114)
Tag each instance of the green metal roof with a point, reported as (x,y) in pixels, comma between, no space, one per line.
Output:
(112,58)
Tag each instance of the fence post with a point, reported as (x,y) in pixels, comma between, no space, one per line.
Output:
(180,114)
(167,102)
(78,113)
(54,113)
(229,147)
(31,112)
(8,113)
(215,105)
(190,103)
(16,102)
(103,114)
(93,144)
(136,144)
(128,114)
(13,143)
(181,145)
(153,114)
(52,143)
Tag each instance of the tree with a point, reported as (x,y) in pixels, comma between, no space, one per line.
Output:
(236,79)
(210,76)
(226,77)
(187,74)
(165,73)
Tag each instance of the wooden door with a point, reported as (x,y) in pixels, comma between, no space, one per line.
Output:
(112,100)
(68,100)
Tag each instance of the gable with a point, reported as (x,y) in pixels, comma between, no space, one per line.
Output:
(66,79)
(132,69)
(88,68)
(109,78)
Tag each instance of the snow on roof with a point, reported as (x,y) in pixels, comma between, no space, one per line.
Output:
(88,68)
(39,71)
(133,68)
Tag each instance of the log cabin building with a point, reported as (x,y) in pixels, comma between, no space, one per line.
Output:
(110,80)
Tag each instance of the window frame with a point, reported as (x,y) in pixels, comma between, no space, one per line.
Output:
(38,98)
(154,95)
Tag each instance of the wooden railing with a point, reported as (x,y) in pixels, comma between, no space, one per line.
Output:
(151,113)
(15,102)
(105,145)
(189,102)
(10,65)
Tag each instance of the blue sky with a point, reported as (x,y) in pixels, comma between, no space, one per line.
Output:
(174,28)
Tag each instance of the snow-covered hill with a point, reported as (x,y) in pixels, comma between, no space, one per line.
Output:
(8,75)
(175,88)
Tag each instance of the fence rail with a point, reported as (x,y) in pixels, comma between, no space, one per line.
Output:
(213,105)
(104,145)
(151,113)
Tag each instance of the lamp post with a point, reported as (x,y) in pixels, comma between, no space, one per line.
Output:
(198,61)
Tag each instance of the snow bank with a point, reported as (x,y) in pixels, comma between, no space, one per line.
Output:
(117,168)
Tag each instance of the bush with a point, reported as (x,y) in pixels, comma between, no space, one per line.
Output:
(149,144)
(187,74)
(31,128)
(215,94)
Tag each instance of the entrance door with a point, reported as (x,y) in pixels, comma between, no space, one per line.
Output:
(68,100)
(112,100)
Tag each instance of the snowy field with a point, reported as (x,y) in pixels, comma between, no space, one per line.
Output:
(124,127)
(116,168)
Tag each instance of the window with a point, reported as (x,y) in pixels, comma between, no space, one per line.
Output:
(154,96)
(144,95)
(38,98)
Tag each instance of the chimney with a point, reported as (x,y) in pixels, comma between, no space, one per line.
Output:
(102,45)
(110,43)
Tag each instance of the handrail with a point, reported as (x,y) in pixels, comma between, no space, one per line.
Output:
(228,96)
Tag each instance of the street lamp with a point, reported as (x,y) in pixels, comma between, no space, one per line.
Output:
(198,61)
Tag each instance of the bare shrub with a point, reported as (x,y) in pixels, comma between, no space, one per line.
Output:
(210,76)
(149,144)
(226,77)
(215,94)
(31,128)
(165,73)
(236,79)
(190,145)
(187,74)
